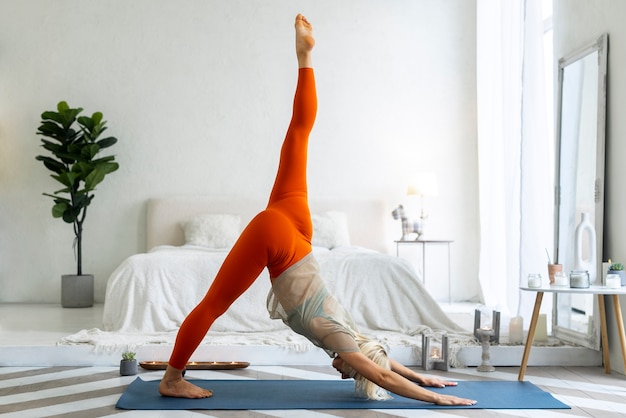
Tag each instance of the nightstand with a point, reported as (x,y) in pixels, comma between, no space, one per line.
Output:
(425,243)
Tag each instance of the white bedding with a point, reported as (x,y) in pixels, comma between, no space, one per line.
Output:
(149,295)
(153,292)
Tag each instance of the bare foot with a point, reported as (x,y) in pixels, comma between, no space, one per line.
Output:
(174,385)
(183,389)
(304,41)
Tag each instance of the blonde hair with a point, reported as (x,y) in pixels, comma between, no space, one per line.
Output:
(375,352)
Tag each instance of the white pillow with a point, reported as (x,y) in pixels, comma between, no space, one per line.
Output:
(330,230)
(213,230)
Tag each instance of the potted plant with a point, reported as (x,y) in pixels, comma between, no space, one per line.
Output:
(128,364)
(618,268)
(75,163)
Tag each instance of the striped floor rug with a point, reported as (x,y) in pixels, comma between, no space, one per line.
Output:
(94,391)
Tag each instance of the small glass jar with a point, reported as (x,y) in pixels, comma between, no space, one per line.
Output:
(534,280)
(579,279)
(560,279)
(613,281)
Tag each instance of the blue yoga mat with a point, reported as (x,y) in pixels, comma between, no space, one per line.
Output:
(329,394)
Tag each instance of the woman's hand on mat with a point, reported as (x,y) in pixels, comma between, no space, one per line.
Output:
(435,382)
(399,380)
(448,400)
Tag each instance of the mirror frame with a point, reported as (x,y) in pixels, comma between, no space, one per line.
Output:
(600,45)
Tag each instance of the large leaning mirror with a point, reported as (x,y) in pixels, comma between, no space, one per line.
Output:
(580,129)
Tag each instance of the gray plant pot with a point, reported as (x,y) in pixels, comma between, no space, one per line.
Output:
(77,291)
(128,367)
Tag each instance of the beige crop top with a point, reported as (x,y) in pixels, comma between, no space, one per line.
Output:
(299,297)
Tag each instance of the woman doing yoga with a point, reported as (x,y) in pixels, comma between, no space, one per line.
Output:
(279,238)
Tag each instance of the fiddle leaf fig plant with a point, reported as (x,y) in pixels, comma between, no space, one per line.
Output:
(74,144)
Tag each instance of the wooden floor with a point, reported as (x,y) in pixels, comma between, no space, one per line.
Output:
(94,391)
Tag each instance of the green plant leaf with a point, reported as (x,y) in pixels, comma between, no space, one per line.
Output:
(52,116)
(82,200)
(67,178)
(71,213)
(106,159)
(75,151)
(51,164)
(90,151)
(65,190)
(59,209)
(92,126)
(109,167)
(68,115)
(96,132)
(97,117)
(53,147)
(67,157)
(86,122)
(95,177)
(106,142)
(82,168)
(58,199)
(62,106)
(53,130)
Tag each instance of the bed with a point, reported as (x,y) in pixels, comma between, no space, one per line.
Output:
(149,294)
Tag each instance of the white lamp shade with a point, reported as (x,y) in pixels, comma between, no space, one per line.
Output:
(423,184)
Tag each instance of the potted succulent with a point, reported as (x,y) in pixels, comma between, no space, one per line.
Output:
(128,364)
(75,163)
(618,269)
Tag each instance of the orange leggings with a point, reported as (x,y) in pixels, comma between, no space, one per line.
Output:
(276,238)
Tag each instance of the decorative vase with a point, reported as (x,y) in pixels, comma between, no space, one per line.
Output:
(128,367)
(589,262)
(77,291)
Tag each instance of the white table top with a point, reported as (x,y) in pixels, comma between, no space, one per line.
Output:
(595,290)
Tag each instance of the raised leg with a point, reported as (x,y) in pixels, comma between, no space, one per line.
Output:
(240,269)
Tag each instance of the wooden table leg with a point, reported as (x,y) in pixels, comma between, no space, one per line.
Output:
(531,336)
(604,334)
(620,327)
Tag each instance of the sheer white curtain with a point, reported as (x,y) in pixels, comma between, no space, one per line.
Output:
(514,152)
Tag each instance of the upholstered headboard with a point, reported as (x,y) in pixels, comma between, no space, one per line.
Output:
(367,219)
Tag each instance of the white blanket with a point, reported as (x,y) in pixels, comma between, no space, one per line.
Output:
(154,292)
(149,295)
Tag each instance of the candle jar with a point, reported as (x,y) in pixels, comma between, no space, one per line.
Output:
(579,279)
(560,279)
(613,281)
(435,356)
(534,280)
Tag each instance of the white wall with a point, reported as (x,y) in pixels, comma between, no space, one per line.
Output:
(576,23)
(199,94)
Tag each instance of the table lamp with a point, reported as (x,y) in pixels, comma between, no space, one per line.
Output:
(423,185)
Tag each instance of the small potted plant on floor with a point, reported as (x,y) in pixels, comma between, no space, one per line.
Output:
(128,364)
(618,269)
(75,163)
